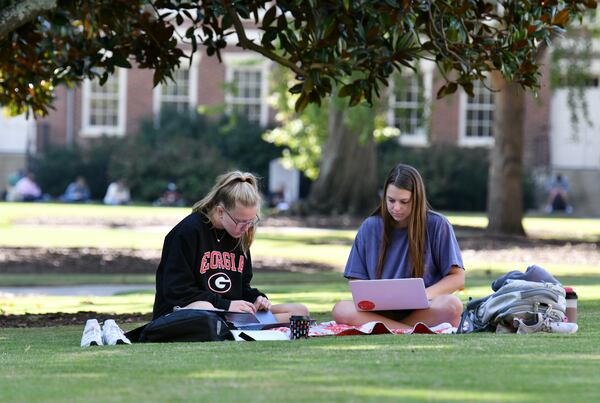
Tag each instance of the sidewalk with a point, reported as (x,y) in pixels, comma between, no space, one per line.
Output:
(75,290)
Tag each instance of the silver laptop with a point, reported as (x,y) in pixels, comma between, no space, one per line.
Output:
(392,294)
(261,320)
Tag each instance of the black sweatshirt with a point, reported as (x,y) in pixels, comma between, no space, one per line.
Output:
(195,266)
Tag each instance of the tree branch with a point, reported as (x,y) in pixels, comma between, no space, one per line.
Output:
(21,12)
(245,43)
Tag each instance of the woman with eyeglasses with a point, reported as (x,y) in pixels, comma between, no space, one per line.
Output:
(404,238)
(206,261)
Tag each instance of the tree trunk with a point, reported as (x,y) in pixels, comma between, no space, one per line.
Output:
(19,12)
(505,192)
(347,181)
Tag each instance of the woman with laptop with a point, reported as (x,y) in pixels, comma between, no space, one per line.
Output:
(404,239)
(206,261)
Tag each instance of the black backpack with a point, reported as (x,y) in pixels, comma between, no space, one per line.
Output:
(182,325)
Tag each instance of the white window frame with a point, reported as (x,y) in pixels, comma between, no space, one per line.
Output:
(192,98)
(420,138)
(248,62)
(88,130)
(470,141)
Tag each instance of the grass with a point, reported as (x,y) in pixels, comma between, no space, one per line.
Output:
(19,211)
(47,364)
(12,234)
(319,291)
(32,280)
(544,227)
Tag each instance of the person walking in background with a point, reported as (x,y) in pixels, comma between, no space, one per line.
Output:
(27,189)
(404,238)
(77,191)
(206,262)
(117,194)
(558,195)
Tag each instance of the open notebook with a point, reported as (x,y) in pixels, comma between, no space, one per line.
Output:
(392,294)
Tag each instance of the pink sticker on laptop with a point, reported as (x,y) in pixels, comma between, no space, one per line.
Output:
(366,305)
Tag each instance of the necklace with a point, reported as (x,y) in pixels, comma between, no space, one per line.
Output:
(217,236)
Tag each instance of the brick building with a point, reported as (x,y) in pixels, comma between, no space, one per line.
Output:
(242,83)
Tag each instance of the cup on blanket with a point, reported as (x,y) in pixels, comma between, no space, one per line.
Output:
(571,310)
(299,326)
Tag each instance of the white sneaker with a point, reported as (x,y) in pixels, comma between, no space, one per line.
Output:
(563,327)
(92,336)
(112,334)
(545,325)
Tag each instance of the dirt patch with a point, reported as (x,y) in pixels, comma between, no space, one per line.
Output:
(114,261)
(338,222)
(78,261)
(65,319)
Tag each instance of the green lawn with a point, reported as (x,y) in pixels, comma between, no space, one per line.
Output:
(545,227)
(586,229)
(9,212)
(47,364)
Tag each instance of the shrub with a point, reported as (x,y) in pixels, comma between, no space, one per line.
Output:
(96,160)
(189,150)
(56,169)
(241,142)
(190,163)
(455,178)
(60,166)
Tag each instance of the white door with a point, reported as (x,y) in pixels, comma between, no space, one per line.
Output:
(575,147)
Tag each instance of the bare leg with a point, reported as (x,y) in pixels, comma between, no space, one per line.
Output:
(345,312)
(283,311)
(445,308)
(199,305)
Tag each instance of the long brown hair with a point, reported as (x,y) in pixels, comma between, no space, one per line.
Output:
(231,188)
(408,178)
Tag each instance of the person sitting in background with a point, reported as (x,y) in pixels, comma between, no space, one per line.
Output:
(117,194)
(558,190)
(170,197)
(77,191)
(26,189)
(12,179)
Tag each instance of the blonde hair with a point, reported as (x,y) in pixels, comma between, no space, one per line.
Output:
(408,178)
(229,189)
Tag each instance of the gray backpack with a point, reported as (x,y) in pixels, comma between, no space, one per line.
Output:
(517,299)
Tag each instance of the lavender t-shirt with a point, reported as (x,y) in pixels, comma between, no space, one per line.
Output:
(441,251)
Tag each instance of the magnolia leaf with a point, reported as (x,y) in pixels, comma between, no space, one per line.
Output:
(269,17)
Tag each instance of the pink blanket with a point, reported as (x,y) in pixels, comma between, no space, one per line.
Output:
(337,329)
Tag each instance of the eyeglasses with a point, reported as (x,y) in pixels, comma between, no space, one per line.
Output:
(242,224)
